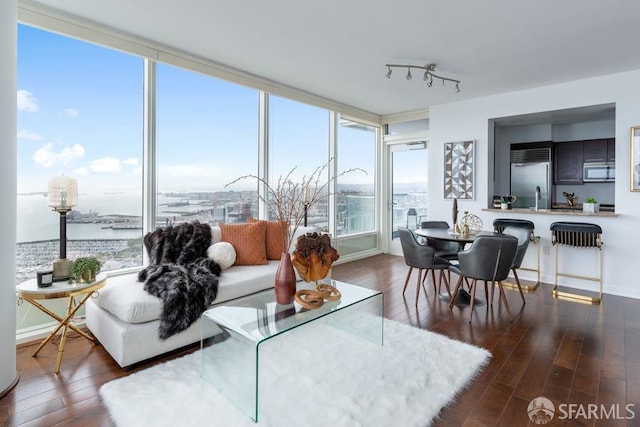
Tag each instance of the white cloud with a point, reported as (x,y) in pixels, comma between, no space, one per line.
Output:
(71,112)
(105,165)
(46,156)
(25,134)
(27,102)
(83,171)
(131,161)
(69,154)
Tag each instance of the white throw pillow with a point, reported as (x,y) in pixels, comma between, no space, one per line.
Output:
(223,253)
(216,234)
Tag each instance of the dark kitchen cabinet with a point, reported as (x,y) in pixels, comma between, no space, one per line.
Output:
(567,162)
(611,150)
(595,150)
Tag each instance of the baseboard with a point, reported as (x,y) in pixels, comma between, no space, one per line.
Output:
(357,256)
(11,385)
(39,332)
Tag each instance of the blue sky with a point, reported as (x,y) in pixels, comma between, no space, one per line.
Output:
(79,109)
(80,114)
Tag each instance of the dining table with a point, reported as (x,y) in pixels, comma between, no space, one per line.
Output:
(449,235)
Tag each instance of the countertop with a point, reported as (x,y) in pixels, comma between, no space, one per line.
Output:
(556,211)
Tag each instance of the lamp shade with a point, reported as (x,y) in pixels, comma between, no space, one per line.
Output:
(63,192)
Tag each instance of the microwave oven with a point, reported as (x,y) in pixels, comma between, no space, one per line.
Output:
(599,172)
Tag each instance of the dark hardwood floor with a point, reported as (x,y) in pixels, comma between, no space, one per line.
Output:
(569,352)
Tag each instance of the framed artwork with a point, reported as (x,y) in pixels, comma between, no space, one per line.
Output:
(459,170)
(635,158)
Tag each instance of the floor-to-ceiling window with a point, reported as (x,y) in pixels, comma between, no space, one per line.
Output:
(207,137)
(299,138)
(79,114)
(355,210)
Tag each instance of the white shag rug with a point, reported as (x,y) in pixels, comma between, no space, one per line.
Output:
(332,379)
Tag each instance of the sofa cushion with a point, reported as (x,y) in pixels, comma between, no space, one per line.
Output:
(216,234)
(243,280)
(125,297)
(223,253)
(248,239)
(274,237)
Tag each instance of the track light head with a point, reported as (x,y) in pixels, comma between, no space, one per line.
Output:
(428,77)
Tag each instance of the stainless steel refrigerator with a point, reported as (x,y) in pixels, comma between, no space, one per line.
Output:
(531,178)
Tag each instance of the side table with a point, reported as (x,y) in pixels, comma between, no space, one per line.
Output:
(30,292)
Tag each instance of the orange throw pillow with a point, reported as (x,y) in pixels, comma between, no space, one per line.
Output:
(248,239)
(274,242)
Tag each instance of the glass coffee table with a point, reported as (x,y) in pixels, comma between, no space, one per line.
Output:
(239,327)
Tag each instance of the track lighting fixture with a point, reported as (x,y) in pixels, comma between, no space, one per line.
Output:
(428,74)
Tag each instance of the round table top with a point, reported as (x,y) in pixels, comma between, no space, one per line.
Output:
(29,288)
(449,235)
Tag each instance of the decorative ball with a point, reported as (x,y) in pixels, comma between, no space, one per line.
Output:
(223,253)
(472,221)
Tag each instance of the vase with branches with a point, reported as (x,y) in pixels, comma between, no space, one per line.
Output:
(289,200)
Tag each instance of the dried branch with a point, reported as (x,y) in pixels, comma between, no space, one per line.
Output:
(287,200)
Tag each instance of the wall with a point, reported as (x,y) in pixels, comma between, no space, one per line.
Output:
(585,130)
(8,22)
(470,120)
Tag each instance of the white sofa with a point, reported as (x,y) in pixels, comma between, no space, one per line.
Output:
(125,318)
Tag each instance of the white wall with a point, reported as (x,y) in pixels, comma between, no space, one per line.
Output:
(8,22)
(621,235)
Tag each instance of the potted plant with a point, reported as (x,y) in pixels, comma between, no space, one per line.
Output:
(84,269)
(590,205)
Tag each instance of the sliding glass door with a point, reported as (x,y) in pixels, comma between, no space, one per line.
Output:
(407,200)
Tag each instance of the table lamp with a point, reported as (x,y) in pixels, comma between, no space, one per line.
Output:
(63,195)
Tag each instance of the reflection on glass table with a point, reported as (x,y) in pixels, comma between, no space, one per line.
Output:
(240,327)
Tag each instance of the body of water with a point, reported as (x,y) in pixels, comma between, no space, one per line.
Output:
(37,221)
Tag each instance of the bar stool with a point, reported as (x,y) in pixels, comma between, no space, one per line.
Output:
(499,224)
(577,235)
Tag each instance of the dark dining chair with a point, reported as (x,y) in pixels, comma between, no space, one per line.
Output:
(446,250)
(488,259)
(499,224)
(422,257)
(523,236)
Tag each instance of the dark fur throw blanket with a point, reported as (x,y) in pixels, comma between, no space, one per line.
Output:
(180,274)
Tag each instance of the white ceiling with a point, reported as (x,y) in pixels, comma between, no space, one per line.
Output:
(337,48)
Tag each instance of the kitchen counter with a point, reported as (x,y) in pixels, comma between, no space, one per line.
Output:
(556,211)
